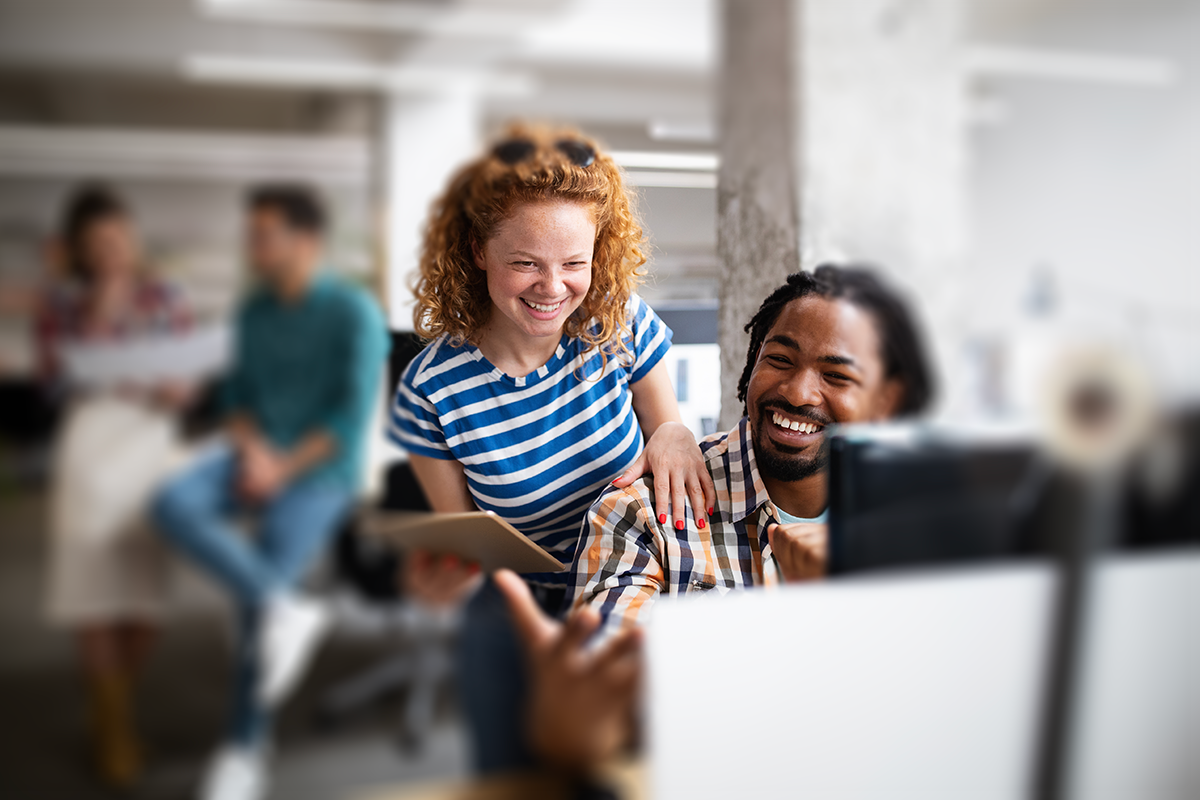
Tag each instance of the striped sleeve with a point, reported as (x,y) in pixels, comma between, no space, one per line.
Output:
(414,423)
(618,569)
(651,337)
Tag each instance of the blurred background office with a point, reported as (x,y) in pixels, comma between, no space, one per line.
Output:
(1027,169)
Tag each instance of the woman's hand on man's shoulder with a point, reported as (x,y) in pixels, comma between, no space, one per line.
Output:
(681,476)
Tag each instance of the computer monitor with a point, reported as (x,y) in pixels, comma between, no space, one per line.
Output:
(1162,493)
(916,496)
(919,495)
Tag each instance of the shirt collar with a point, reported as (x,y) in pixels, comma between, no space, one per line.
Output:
(318,282)
(747,493)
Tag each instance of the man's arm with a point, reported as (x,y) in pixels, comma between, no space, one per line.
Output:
(266,470)
(310,451)
(262,470)
(360,370)
(618,568)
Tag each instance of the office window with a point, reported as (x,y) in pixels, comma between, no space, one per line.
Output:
(681,380)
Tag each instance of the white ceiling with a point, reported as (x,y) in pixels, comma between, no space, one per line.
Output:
(630,63)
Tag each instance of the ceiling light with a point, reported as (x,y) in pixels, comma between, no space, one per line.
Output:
(410,79)
(700,162)
(1064,65)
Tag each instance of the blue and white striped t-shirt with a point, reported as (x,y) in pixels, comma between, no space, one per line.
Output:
(536,450)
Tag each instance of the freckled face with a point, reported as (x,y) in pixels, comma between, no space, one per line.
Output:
(539,265)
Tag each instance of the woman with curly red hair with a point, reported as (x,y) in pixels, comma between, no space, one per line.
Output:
(541,381)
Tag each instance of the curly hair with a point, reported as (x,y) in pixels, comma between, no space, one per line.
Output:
(903,353)
(451,291)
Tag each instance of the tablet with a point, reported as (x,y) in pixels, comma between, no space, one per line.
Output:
(478,536)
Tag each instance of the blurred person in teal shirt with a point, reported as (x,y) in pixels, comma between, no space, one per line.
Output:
(307,371)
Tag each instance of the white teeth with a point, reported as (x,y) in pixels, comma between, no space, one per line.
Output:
(794,425)
(539,306)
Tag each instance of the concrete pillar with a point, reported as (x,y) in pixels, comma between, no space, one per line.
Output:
(874,96)
(422,140)
(757,197)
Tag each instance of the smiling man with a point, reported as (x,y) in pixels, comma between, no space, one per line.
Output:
(830,346)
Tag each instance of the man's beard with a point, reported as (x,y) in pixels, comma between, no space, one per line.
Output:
(784,466)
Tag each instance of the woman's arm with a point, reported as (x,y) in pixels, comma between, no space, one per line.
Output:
(671,454)
(654,400)
(446,580)
(444,484)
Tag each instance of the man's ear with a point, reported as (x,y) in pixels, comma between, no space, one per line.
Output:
(891,397)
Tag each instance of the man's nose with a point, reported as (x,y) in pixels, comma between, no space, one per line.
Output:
(802,388)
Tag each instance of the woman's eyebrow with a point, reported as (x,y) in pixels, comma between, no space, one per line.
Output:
(533,257)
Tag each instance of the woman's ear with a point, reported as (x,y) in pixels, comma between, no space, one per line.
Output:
(477,253)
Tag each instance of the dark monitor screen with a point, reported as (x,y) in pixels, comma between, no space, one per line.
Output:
(1162,493)
(918,502)
(925,499)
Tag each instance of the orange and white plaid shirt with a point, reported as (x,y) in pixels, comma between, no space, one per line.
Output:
(626,558)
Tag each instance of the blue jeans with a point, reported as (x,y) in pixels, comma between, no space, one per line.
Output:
(193,512)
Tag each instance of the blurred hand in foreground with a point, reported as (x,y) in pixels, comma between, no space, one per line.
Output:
(581,699)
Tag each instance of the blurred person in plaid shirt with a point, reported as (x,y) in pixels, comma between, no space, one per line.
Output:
(831,346)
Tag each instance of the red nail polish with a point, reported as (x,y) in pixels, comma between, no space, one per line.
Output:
(710,510)
(700,523)
(662,519)
(678,524)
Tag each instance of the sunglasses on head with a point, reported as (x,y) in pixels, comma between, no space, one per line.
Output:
(514,151)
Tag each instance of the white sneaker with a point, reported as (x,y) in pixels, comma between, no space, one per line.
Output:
(292,628)
(236,773)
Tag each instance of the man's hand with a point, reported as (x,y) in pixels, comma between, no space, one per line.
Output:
(581,701)
(262,472)
(801,549)
(439,581)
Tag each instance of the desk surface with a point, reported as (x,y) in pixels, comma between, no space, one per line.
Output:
(626,779)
